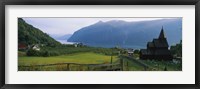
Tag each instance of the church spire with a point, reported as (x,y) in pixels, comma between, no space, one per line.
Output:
(162,34)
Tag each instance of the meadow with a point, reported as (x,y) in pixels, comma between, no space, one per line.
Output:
(136,64)
(81,58)
(89,59)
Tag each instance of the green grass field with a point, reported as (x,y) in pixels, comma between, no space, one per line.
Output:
(132,64)
(82,58)
(90,58)
(160,65)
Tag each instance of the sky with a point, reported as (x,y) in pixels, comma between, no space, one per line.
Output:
(63,26)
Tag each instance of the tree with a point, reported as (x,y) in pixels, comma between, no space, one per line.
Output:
(165,69)
(32,52)
(176,50)
(136,51)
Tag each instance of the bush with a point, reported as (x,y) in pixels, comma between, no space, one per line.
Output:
(32,52)
(21,53)
(47,51)
(136,51)
(46,54)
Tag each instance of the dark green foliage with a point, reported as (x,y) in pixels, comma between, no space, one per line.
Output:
(32,52)
(176,50)
(106,51)
(165,69)
(136,51)
(27,34)
(47,51)
(46,54)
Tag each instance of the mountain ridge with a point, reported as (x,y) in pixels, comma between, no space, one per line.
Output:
(125,34)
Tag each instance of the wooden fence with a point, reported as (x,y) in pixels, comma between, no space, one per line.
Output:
(135,61)
(68,66)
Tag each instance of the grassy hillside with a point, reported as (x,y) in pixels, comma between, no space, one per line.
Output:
(27,34)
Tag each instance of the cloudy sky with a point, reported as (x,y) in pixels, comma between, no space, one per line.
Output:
(64,26)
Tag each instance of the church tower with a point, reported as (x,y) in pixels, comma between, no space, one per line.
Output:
(157,49)
(162,34)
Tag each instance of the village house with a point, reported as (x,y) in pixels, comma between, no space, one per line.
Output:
(157,49)
(36,47)
(22,46)
(78,45)
(130,52)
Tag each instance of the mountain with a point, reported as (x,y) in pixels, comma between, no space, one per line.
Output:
(128,34)
(27,34)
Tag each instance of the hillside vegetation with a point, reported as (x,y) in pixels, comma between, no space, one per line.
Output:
(27,34)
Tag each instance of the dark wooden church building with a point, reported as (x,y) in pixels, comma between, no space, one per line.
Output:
(157,49)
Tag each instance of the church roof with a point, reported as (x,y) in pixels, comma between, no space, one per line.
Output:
(160,48)
(162,34)
(160,43)
(150,44)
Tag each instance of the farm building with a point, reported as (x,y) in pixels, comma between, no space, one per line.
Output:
(157,49)
(130,52)
(78,45)
(22,46)
(36,47)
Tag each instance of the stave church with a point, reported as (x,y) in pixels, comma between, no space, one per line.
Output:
(157,49)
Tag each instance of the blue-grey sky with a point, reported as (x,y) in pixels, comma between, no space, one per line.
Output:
(64,26)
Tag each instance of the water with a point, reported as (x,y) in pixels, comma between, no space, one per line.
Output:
(65,42)
(111,46)
(104,45)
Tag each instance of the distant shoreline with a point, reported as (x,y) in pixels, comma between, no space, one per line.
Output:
(65,42)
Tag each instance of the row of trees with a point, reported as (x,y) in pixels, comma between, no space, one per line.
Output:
(69,49)
(176,50)
(32,52)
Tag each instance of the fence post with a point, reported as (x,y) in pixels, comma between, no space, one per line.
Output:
(68,67)
(88,68)
(121,63)
(111,62)
(145,68)
(79,68)
(127,65)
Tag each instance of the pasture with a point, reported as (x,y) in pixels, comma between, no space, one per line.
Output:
(132,64)
(81,58)
(90,61)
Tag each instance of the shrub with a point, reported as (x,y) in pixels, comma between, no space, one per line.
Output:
(46,54)
(32,52)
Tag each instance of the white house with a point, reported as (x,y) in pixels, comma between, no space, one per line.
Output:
(36,47)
